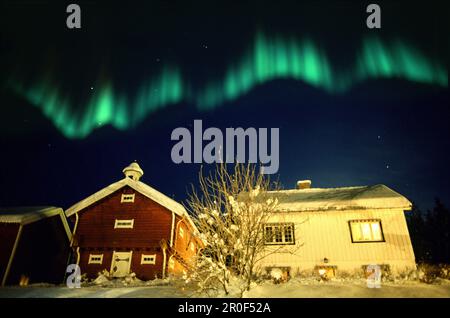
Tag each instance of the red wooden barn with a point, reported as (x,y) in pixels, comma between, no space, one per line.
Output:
(34,245)
(131,227)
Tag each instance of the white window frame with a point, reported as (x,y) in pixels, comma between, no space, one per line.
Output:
(148,262)
(92,261)
(281,229)
(122,226)
(124,198)
(181,232)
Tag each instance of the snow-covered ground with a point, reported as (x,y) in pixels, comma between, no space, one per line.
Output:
(350,289)
(92,292)
(295,288)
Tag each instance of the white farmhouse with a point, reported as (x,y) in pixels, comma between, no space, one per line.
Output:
(338,229)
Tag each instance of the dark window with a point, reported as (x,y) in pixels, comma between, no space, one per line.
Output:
(279,233)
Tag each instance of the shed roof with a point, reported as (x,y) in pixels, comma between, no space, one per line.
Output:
(346,198)
(29,214)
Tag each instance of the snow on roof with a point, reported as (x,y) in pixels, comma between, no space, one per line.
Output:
(138,186)
(346,198)
(26,215)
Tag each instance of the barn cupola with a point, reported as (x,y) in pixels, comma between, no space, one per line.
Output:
(133,171)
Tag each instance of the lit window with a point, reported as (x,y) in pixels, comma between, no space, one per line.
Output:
(148,259)
(95,259)
(181,232)
(192,247)
(366,231)
(124,224)
(279,233)
(127,198)
(171,263)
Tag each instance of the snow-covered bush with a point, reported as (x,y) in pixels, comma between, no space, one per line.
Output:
(276,273)
(345,275)
(84,278)
(105,279)
(425,273)
(230,209)
(445,271)
(101,280)
(429,273)
(300,274)
(210,275)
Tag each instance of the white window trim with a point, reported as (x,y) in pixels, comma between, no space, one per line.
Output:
(372,239)
(119,226)
(145,262)
(91,261)
(123,200)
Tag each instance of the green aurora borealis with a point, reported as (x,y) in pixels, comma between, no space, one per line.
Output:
(268,58)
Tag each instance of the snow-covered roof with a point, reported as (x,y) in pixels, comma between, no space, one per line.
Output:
(138,186)
(30,214)
(25,215)
(347,198)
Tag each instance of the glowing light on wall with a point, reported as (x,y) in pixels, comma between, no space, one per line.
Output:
(269,58)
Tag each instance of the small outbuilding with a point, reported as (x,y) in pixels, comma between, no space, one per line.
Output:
(35,245)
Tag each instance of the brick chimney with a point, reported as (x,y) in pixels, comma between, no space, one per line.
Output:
(303,184)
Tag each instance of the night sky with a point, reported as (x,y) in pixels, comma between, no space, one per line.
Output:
(78,106)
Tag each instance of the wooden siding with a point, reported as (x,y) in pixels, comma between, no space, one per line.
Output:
(143,271)
(182,246)
(320,235)
(152,222)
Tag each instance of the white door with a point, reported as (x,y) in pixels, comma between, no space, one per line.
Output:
(121,263)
